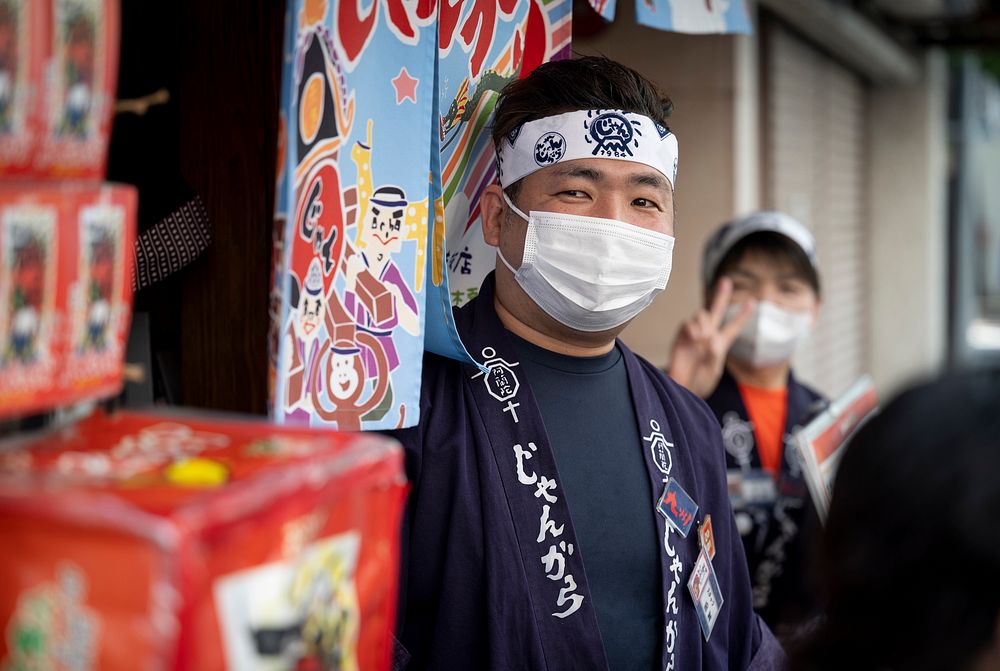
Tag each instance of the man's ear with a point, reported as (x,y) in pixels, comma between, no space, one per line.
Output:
(815,312)
(494,210)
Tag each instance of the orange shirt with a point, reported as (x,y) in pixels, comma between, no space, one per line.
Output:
(767,409)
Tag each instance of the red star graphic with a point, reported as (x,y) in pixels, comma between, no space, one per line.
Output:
(405,85)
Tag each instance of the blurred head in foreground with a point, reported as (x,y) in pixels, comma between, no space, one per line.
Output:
(911,559)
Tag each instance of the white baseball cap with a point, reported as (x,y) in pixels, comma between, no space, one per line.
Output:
(771,221)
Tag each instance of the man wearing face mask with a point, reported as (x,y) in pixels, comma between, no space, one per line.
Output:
(763,291)
(569,507)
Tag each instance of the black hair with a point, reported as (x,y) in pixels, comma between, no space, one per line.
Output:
(910,562)
(776,247)
(588,82)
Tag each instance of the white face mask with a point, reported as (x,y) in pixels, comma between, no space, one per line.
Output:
(588,273)
(771,335)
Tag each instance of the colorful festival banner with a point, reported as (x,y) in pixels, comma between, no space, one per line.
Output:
(383,138)
(685,16)
(352,216)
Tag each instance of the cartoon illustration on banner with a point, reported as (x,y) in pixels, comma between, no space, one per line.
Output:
(351,226)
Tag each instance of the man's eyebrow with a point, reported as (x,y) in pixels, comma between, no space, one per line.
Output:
(653,179)
(579,171)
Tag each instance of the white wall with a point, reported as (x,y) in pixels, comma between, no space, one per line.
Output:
(908,255)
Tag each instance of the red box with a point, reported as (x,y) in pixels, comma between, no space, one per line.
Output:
(80,88)
(65,292)
(99,237)
(24,50)
(31,257)
(168,542)
(374,296)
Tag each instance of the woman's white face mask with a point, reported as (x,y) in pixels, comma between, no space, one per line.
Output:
(771,334)
(588,273)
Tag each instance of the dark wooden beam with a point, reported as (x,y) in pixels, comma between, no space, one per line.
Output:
(229,84)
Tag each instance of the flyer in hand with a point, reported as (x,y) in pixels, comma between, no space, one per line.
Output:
(821,443)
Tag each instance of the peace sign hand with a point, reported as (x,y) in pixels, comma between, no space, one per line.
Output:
(698,355)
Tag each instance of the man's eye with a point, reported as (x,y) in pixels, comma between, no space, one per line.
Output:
(645,203)
(573,193)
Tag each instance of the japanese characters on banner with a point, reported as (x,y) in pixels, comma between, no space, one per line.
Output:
(685,16)
(383,138)
(65,292)
(140,541)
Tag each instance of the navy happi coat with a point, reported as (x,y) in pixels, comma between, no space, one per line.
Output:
(489,580)
(779,528)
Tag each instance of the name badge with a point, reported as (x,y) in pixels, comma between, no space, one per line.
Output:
(751,488)
(706,594)
(677,507)
(706,538)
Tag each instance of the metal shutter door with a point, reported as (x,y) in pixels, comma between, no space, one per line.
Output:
(815,169)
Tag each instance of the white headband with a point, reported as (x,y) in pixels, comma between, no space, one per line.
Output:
(586,134)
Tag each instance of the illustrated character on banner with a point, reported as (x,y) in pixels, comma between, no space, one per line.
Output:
(325,109)
(376,294)
(79,39)
(9,46)
(525,52)
(463,107)
(302,336)
(317,249)
(343,374)
(99,291)
(27,295)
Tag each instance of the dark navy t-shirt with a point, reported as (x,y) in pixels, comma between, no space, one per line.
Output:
(587,409)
